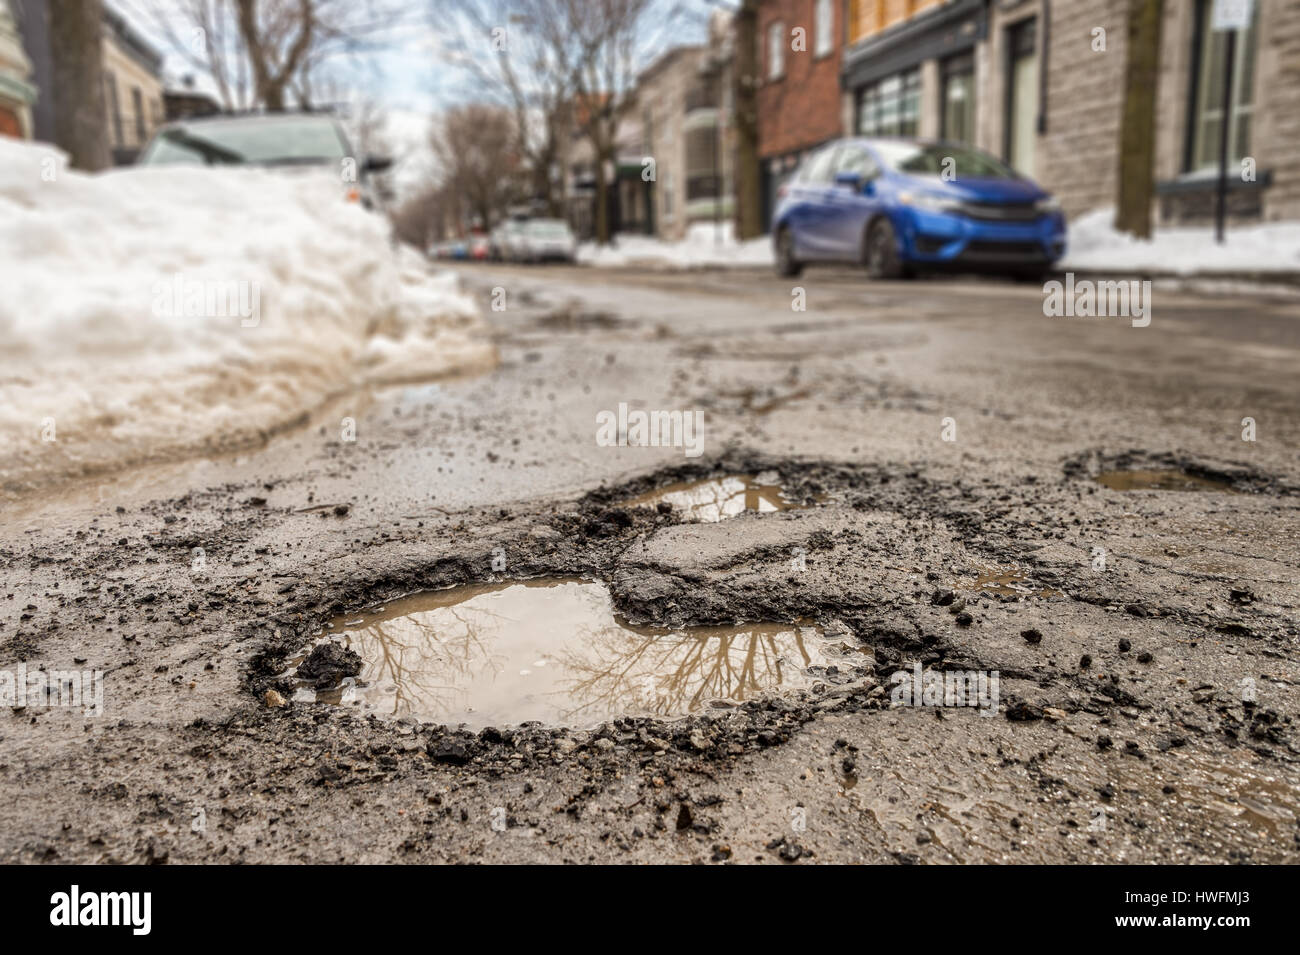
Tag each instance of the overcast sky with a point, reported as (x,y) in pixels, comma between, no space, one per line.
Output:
(411,77)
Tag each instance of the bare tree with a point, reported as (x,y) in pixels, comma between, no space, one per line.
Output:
(209,43)
(277,35)
(261,51)
(475,144)
(80,116)
(616,40)
(425,218)
(1137,145)
(520,57)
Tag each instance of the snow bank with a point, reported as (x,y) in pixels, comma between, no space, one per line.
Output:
(699,249)
(1095,245)
(155,312)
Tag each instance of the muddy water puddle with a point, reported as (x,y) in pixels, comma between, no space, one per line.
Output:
(1001,582)
(716,499)
(752,401)
(554,651)
(1247,792)
(1161,479)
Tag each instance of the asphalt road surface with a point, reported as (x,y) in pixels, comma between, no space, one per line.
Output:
(947,437)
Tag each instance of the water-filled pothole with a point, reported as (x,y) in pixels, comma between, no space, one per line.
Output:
(1161,479)
(554,651)
(716,499)
(1005,583)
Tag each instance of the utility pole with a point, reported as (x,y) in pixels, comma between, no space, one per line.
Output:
(1230,17)
(745,97)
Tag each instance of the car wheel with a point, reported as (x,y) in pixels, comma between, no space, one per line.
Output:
(880,252)
(787,266)
(1031,275)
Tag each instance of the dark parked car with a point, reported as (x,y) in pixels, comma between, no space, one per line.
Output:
(899,205)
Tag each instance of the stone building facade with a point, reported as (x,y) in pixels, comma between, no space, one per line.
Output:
(1040,83)
(133,87)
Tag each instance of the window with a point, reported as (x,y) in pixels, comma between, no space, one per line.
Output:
(931,159)
(234,141)
(957,107)
(890,107)
(775,51)
(114,111)
(823,25)
(1207,121)
(819,166)
(858,161)
(1021,128)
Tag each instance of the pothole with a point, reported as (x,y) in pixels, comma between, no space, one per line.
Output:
(1001,583)
(752,401)
(1161,479)
(716,499)
(554,651)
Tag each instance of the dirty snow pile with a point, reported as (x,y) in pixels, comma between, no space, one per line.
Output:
(152,312)
(1094,245)
(703,247)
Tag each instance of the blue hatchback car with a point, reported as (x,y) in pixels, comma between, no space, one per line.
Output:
(899,205)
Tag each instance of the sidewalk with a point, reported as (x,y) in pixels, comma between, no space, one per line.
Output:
(1266,254)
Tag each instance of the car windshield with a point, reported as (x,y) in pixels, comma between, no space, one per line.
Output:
(931,159)
(548,228)
(294,141)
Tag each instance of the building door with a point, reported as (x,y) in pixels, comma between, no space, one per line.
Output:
(9,125)
(1022,96)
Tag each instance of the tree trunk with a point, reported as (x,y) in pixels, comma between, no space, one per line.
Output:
(270,86)
(602,200)
(80,113)
(1137,143)
(749,215)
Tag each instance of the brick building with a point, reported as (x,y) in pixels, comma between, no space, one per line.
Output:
(799,105)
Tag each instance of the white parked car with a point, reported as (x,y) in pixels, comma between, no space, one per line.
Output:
(503,241)
(542,240)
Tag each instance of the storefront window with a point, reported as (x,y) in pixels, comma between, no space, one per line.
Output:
(958,113)
(1022,96)
(891,107)
(1210,59)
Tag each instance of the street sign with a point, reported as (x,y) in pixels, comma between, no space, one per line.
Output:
(1232,14)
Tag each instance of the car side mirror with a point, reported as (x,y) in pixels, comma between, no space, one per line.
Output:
(869,187)
(850,180)
(377,163)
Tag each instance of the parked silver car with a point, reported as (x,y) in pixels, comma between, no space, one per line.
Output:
(534,240)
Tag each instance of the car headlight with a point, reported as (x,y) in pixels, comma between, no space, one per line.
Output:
(1048,204)
(929,202)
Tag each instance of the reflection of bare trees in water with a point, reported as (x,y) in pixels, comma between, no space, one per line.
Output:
(621,670)
(717,498)
(439,661)
(714,500)
(430,661)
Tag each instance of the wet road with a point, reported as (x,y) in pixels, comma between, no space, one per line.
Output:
(987,418)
